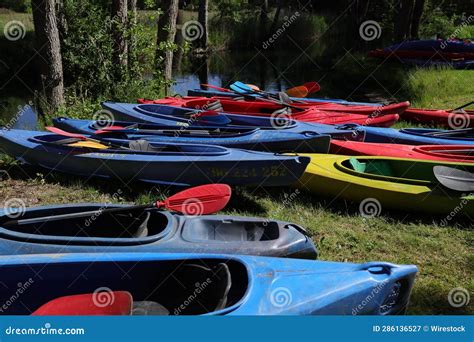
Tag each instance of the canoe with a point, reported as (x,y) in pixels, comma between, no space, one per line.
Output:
(211,93)
(172,116)
(236,137)
(268,109)
(384,182)
(157,163)
(229,105)
(453,153)
(416,136)
(148,231)
(440,117)
(224,284)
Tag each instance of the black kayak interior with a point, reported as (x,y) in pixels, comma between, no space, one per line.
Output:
(95,223)
(158,287)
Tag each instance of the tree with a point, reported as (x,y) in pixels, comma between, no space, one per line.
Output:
(49,49)
(165,36)
(416,18)
(403,20)
(119,14)
(203,20)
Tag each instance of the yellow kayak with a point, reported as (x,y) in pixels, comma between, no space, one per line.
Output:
(383,182)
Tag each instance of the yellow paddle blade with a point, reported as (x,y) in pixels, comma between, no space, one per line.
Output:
(253,86)
(300,91)
(89,144)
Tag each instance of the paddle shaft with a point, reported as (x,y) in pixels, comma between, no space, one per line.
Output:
(463,106)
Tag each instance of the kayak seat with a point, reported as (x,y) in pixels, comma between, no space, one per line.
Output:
(149,308)
(145,146)
(374,167)
(214,106)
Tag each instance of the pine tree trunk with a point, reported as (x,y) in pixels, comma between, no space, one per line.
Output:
(203,20)
(49,49)
(166,33)
(402,23)
(119,13)
(416,18)
(132,53)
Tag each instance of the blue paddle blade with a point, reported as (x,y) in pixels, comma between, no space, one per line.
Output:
(26,118)
(242,88)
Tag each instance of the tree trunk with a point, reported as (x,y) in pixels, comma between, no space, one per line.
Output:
(133,23)
(203,20)
(402,23)
(416,18)
(263,20)
(119,13)
(276,17)
(49,50)
(166,33)
(61,15)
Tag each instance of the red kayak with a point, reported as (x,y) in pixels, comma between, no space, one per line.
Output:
(452,153)
(447,118)
(264,108)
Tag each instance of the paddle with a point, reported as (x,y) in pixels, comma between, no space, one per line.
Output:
(450,133)
(200,200)
(59,131)
(453,178)
(463,106)
(216,87)
(300,91)
(312,87)
(118,303)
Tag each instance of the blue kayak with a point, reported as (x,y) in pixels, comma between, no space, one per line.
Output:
(175,117)
(225,284)
(210,93)
(87,228)
(417,136)
(158,163)
(435,44)
(236,137)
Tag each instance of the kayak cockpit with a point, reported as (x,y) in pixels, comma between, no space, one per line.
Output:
(88,226)
(158,287)
(396,170)
(455,134)
(464,152)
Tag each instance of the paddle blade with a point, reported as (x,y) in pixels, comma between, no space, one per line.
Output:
(312,87)
(59,131)
(110,129)
(200,200)
(253,86)
(453,178)
(118,303)
(300,91)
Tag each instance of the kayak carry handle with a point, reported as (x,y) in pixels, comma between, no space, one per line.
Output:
(376,267)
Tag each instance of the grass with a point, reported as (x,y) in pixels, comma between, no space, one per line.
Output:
(25,18)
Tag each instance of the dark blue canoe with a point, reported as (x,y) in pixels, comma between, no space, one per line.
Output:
(179,117)
(146,231)
(270,140)
(417,136)
(162,284)
(158,163)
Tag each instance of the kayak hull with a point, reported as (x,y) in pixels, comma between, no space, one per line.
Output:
(150,231)
(227,284)
(450,153)
(267,109)
(153,114)
(327,176)
(440,117)
(246,138)
(189,165)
